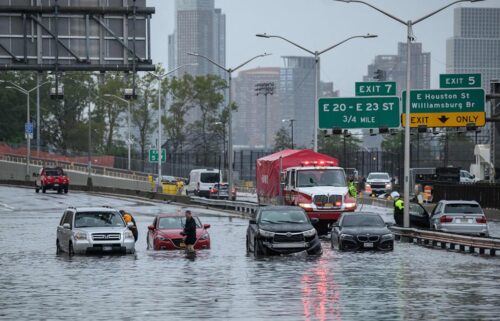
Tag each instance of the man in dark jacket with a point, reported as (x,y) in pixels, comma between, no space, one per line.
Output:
(190,231)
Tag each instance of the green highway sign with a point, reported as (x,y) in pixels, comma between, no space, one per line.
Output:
(359,112)
(460,81)
(446,100)
(376,88)
(153,155)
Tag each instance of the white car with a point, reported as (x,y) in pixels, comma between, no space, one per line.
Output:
(87,230)
(379,183)
(463,217)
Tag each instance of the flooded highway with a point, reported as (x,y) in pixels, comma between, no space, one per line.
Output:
(224,283)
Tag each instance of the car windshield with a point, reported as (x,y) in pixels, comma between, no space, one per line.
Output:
(378,176)
(175,222)
(53,172)
(362,220)
(209,177)
(463,209)
(99,219)
(288,216)
(321,177)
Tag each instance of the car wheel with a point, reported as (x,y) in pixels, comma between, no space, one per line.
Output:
(317,251)
(258,248)
(66,190)
(37,190)
(71,251)
(59,190)
(44,189)
(58,247)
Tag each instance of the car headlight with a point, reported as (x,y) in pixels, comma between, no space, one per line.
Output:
(388,185)
(346,236)
(80,236)
(264,233)
(205,236)
(305,205)
(310,233)
(128,234)
(387,237)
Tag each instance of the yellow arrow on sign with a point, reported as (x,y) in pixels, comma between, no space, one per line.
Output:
(460,119)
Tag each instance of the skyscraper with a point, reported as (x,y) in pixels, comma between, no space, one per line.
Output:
(394,67)
(475,45)
(249,120)
(199,28)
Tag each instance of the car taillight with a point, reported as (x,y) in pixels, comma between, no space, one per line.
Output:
(481,220)
(213,190)
(446,219)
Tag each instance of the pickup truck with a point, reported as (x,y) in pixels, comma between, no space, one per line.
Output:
(51,178)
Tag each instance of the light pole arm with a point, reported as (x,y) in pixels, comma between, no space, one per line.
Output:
(119,98)
(213,62)
(249,60)
(38,86)
(438,10)
(343,41)
(289,41)
(379,10)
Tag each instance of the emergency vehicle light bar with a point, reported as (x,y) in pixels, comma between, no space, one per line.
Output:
(315,163)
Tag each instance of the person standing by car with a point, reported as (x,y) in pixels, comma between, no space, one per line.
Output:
(127,217)
(190,231)
(399,206)
(353,191)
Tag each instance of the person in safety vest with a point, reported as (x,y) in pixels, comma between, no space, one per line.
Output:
(127,217)
(399,206)
(353,191)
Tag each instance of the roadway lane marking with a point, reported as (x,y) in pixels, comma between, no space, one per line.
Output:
(10,208)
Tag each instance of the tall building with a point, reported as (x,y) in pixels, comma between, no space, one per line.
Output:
(297,85)
(394,67)
(250,119)
(475,45)
(199,28)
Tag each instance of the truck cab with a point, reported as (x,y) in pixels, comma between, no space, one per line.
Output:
(320,190)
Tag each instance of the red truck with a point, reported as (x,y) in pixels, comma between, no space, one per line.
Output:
(307,179)
(51,178)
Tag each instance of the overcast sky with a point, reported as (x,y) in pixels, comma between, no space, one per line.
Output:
(317,24)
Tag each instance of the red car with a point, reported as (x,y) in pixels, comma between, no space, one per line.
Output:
(51,178)
(165,233)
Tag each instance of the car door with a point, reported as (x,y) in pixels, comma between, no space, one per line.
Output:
(252,230)
(436,215)
(419,215)
(68,218)
(60,231)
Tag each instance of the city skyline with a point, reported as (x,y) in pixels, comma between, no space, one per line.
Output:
(344,65)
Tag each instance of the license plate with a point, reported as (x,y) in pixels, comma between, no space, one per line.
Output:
(107,248)
(368,245)
(328,205)
(56,185)
(290,245)
(464,220)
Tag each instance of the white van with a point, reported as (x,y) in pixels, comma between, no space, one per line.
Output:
(201,181)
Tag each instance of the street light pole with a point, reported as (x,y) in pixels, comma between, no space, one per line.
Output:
(160,78)
(291,126)
(129,142)
(316,55)
(229,72)
(409,38)
(28,138)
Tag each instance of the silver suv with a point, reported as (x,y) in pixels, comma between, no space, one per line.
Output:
(94,230)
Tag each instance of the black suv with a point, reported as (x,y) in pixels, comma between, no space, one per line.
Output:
(282,230)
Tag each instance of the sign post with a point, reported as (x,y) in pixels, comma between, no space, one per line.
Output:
(359,112)
(446,107)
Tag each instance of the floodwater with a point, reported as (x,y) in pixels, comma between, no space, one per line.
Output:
(224,283)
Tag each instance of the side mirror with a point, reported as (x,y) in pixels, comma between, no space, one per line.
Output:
(206,226)
(253,221)
(67,226)
(314,220)
(151,227)
(130,224)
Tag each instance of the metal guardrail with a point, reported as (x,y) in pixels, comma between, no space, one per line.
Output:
(78,167)
(462,243)
(243,207)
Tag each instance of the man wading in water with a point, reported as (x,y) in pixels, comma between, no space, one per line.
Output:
(190,232)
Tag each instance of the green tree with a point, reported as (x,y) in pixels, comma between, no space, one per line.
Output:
(282,139)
